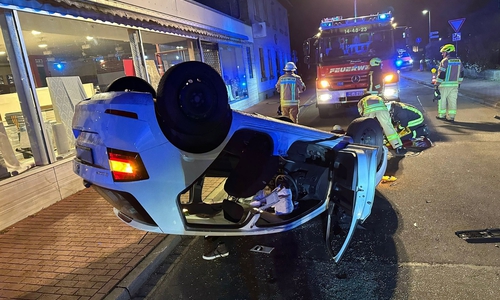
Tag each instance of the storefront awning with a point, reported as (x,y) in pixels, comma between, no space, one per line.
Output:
(146,19)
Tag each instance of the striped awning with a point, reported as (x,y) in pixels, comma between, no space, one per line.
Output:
(140,17)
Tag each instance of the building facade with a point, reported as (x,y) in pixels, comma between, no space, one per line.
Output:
(55,53)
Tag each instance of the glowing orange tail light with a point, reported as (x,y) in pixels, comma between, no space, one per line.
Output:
(126,166)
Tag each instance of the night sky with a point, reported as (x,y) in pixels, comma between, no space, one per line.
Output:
(305,15)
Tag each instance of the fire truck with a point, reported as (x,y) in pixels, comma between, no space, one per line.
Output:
(342,51)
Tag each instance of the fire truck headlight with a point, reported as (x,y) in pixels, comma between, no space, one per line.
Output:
(389,78)
(324,84)
(324,97)
(388,92)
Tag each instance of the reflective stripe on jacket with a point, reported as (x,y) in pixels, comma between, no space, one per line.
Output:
(450,72)
(289,86)
(407,115)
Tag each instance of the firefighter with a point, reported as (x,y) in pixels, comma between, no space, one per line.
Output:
(290,85)
(407,119)
(373,106)
(449,76)
(375,77)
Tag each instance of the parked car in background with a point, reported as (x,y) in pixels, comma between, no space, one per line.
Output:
(404,61)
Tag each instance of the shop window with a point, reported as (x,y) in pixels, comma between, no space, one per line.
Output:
(278,65)
(262,65)
(71,60)
(233,71)
(270,61)
(15,149)
(211,55)
(250,63)
(163,51)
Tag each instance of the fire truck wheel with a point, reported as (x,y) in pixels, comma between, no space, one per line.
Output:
(193,107)
(367,131)
(131,83)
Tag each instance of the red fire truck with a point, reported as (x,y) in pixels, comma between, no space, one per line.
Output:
(342,51)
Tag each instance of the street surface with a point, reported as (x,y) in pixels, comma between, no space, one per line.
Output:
(408,248)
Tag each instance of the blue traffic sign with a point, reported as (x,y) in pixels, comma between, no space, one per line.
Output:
(457,36)
(418,40)
(457,24)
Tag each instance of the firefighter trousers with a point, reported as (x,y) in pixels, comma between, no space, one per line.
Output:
(385,121)
(448,103)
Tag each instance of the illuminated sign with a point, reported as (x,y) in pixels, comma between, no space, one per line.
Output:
(356,29)
(349,69)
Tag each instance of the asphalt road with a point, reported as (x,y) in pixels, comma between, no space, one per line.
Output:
(408,249)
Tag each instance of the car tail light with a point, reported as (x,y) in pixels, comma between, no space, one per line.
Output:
(126,166)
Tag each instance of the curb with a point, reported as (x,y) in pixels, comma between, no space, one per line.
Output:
(130,285)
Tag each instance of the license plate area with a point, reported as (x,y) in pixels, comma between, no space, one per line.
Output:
(84,154)
(354,94)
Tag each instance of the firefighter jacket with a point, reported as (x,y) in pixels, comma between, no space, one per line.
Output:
(450,72)
(290,86)
(375,80)
(406,115)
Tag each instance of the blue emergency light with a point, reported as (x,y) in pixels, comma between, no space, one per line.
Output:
(399,62)
(382,16)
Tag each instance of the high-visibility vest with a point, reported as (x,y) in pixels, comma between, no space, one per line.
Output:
(450,72)
(290,85)
(370,104)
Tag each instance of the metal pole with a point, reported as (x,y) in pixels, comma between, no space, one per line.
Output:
(355,9)
(429,26)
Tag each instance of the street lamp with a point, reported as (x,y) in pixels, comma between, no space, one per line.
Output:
(425,12)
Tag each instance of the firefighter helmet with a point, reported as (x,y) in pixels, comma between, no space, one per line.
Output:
(290,66)
(447,48)
(375,62)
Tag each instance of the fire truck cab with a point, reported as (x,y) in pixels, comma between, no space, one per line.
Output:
(342,51)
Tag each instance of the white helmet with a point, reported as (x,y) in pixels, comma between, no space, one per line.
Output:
(290,66)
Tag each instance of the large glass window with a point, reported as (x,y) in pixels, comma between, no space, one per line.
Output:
(71,60)
(163,51)
(15,149)
(233,71)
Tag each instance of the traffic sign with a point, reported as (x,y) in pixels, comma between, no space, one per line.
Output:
(457,24)
(457,36)
(434,35)
(418,40)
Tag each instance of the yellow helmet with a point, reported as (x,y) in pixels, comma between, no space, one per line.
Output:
(375,62)
(447,48)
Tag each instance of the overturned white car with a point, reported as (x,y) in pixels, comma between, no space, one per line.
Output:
(180,161)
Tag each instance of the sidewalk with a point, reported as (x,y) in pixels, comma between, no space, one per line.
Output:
(486,92)
(78,249)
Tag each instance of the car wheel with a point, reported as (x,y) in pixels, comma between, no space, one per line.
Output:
(130,83)
(192,104)
(367,131)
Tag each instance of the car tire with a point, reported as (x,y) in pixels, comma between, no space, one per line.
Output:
(131,83)
(367,131)
(193,108)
